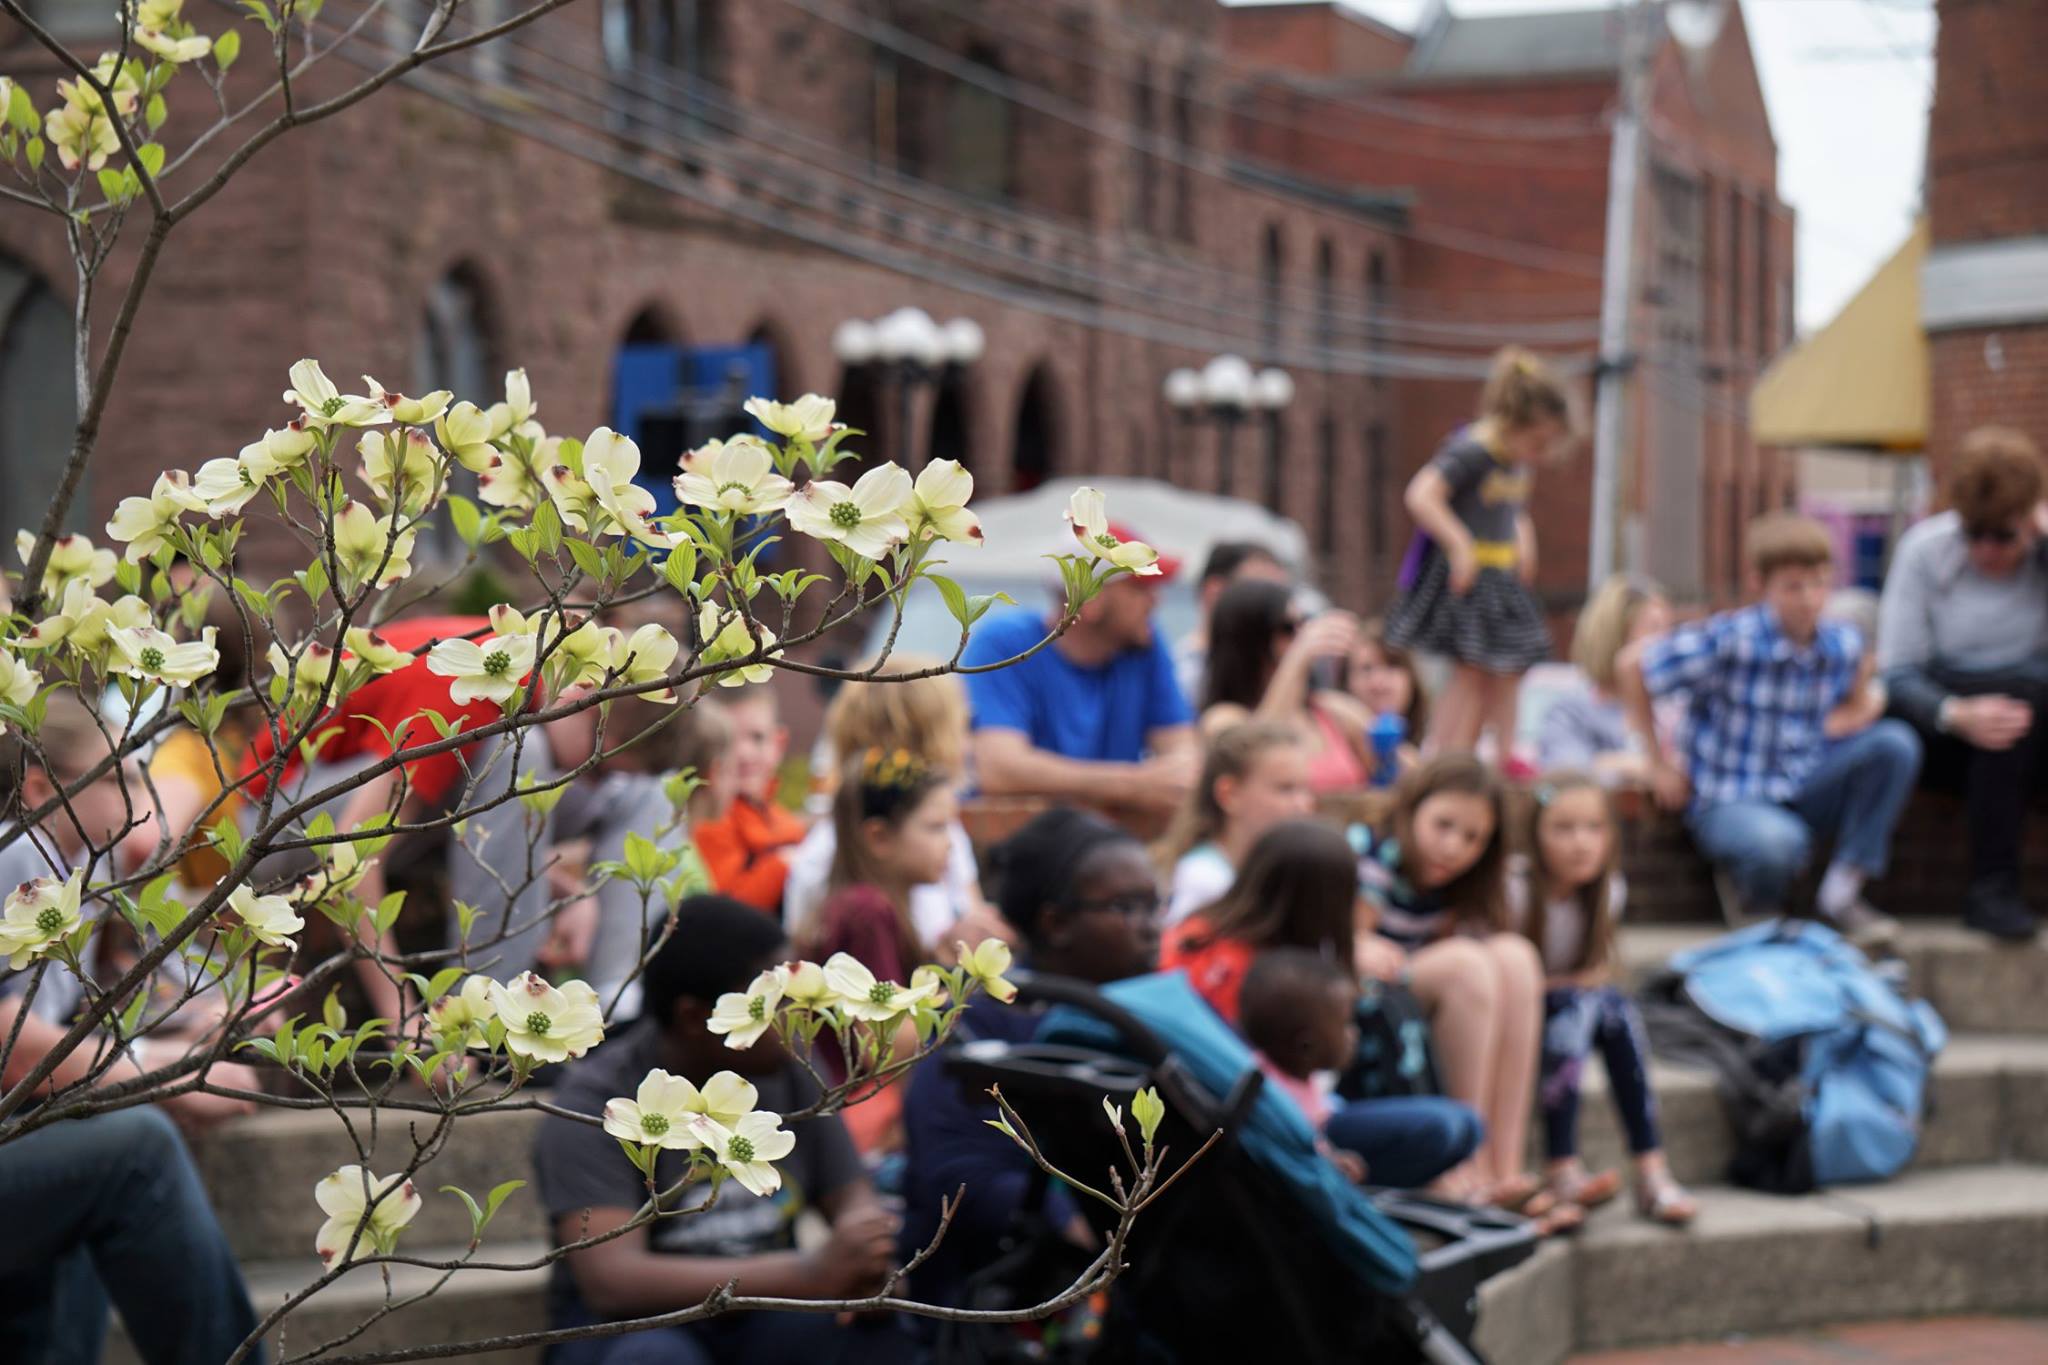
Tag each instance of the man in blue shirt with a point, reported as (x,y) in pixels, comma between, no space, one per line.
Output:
(1784,747)
(1095,716)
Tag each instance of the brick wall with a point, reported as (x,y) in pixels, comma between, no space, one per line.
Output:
(1987,134)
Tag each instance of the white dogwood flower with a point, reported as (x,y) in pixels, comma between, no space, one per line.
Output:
(1091,527)
(610,464)
(806,986)
(18,682)
(72,558)
(743,1016)
(937,508)
(809,418)
(411,411)
(648,653)
(81,136)
(344,1195)
(309,673)
(402,467)
(986,964)
(517,409)
(83,619)
(38,913)
(279,449)
(492,668)
(547,1024)
(509,481)
(465,432)
(369,647)
(862,996)
(458,1017)
(736,476)
(143,522)
(866,518)
(748,1148)
(148,653)
(726,635)
(272,919)
(662,1110)
(365,548)
(327,406)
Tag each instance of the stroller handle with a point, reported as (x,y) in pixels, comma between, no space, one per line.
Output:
(1037,988)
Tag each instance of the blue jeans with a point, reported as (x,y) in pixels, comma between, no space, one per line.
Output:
(1576,1019)
(1853,796)
(112,1205)
(746,1339)
(1406,1141)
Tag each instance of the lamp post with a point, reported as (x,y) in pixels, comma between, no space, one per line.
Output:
(908,351)
(1226,391)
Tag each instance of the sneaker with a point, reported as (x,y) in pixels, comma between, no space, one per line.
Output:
(1871,930)
(1996,909)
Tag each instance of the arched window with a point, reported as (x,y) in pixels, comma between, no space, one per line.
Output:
(1271,264)
(861,407)
(38,398)
(952,430)
(1326,294)
(1145,181)
(1184,138)
(1375,303)
(451,350)
(1034,447)
(665,37)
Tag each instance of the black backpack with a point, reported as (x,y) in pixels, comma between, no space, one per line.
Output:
(1394,1056)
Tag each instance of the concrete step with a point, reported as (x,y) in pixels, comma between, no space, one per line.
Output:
(1526,1313)
(1967,1239)
(1990,1104)
(474,1304)
(1978,984)
(261,1171)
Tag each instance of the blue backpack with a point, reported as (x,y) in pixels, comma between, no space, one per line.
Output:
(1822,1060)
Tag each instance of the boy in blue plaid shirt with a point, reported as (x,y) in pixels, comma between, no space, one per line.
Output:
(1783,746)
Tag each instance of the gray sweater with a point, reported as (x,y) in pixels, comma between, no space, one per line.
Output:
(1939,614)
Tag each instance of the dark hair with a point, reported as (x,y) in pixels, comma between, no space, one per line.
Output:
(1475,897)
(1373,633)
(717,946)
(1249,617)
(1997,477)
(1039,864)
(1298,888)
(877,785)
(1226,557)
(1280,993)
(1597,943)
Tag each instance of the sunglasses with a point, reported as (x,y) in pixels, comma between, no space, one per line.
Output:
(1990,535)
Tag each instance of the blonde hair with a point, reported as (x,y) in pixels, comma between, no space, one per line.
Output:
(1230,754)
(1605,622)
(1522,391)
(925,717)
(1786,540)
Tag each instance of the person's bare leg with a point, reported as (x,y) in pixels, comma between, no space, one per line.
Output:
(1518,1021)
(1501,701)
(1455,981)
(1455,718)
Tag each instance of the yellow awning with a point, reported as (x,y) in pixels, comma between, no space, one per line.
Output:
(1862,379)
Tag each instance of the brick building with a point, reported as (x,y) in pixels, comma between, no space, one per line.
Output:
(1984,285)
(721,183)
(1494,131)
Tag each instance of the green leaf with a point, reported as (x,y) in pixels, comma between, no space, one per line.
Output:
(477,1216)
(21,110)
(228,46)
(34,152)
(1148,1109)
(465,517)
(680,568)
(113,186)
(499,1194)
(386,913)
(151,156)
(955,595)
(154,113)
(465,917)
(588,558)
(332,1012)
(441,982)
(131,1014)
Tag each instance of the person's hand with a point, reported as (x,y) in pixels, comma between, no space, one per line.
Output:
(570,935)
(1991,722)
(194,1110)
(1349,1164)
(1332,635)
(1669,784)
(1382,959)
(1464,563)
(859,1255)
(1163,782)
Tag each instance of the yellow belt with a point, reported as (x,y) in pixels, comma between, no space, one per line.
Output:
(1495,554)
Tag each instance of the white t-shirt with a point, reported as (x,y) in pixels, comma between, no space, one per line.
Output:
(933,909)
(1564,927)
(1200,878)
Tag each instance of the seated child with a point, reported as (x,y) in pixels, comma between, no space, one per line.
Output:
(746,844)
(1299,1009)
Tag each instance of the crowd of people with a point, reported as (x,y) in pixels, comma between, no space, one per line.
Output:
(1348,855)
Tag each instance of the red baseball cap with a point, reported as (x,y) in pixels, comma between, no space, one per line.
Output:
(1168,565)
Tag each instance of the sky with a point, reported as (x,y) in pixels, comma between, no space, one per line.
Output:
(1848,84)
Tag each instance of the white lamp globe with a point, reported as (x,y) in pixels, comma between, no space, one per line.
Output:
(1273,389)
(965,341)
(854,341)
(1227,382)
(1183,388)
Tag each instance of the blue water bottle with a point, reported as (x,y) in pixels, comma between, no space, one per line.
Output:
(1386,735)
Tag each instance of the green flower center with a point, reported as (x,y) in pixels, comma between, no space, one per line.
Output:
(757,1009)
(846,515)
(496,662)
(882,992)
(152,658)
(740,1150)
(242,472)
(1107,541)
(538,1024)
(654,1125)
(735,486)
(332,406)
(49,920)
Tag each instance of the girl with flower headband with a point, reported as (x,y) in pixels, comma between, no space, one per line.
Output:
(1465,583)
(1566,894)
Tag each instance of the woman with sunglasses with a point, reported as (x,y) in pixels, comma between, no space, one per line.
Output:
(1268,663)
(1962,644)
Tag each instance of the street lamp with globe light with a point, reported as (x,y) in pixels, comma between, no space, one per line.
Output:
(1225,391)
(908,350)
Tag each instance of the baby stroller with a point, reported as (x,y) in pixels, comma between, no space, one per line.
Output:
(1261,1251)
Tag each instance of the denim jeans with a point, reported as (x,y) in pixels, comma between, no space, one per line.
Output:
(1576,1019)
(1406,1141)
(112,1205)
(1853,796)
(752,1338)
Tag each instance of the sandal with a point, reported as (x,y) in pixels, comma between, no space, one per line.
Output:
(1560,1221)
(1515,1194)
(1663,1200)
(1573,1185)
